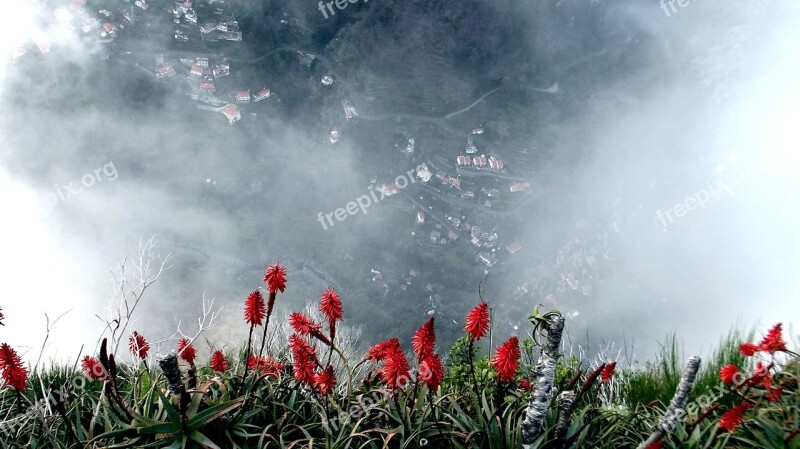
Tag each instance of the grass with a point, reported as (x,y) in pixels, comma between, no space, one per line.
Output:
(132,406)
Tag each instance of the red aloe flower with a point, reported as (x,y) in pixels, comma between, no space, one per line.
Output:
(254,309)
(11,369)
(303,369)
(728,374)
(749,349)
(272,367)
(774,395)
(186,350)
(506,359)
(395,369)
(657,445)
(773,342)
(331,306)
(478,321)
(299,345)
(608,372)
(218,362)
(424,339)
(767,381)
(275,277)
(138,345)
(761,375)
(381,350)
(732,419)
(267,366)
(525,385)
(430,371)
(92,368)
(325,381)
(304,359)
(304,325)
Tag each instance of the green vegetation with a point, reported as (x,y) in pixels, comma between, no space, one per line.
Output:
(745,396)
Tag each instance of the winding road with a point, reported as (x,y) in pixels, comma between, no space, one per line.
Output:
(440,122)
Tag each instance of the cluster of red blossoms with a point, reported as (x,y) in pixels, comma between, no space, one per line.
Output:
(429,362)
(395,365)
(265,365)
(218,361)
(477,322)
(138,346)
(257,312)
(771,343)
(304,356)
(93,369)
(607,373)
(761,378)
(186,351)
(506,358)
(395,369)
(255,308)
(12,370)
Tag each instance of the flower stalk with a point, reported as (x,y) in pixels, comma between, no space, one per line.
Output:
(677,406)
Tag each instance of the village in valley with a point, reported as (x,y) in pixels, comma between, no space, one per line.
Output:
(467,193)
(474,178)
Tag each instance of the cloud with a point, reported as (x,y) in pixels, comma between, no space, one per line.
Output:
(649,109)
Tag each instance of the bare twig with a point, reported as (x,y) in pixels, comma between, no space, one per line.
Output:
(129,289)
(208,320)
(48,328)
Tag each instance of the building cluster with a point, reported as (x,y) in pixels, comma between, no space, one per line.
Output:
(73,20)
(480,162)
(212,20)
(423,173)
(451,227)
(349,109)
(480,180)
(305,58)
(388,189)
(577,270)
(450,181)
(579,263)
(482,238)
(465,188)
(201,74)
(520,187)
(442,236)
(410,146)
(347,106)
(484,241)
